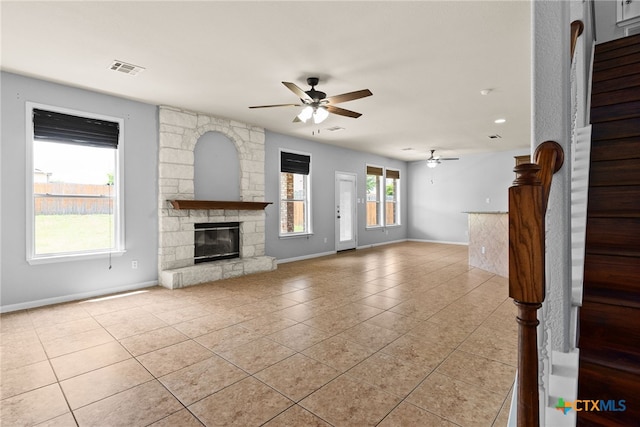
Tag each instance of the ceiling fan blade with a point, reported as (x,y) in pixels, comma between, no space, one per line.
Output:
(296,119)
(342,112)
(277,105)
(336,99)
(299,92)
(449,158)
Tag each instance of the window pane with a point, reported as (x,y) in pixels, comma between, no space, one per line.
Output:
(391,199)
(373,200)
(73,198)
(390,213)
(294,186)
(347,189)
(64,163)
(292,217)
(73,233)
(293,203)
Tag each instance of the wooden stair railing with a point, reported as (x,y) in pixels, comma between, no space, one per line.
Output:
(528,199)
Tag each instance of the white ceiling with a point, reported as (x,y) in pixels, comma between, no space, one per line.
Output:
(425,62)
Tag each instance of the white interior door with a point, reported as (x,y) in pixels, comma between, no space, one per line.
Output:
(346,218)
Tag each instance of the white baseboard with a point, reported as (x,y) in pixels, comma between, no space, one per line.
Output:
(303,257)
(373,245)
(75,297)
(439,241)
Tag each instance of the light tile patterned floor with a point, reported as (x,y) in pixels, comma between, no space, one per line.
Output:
(399,335)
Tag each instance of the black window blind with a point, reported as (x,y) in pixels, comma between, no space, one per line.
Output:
(59,127)
(294,163)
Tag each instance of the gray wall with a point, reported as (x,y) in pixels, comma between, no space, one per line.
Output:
(325,161)
(24,285)
(439,196)
(431,200)
(216,168)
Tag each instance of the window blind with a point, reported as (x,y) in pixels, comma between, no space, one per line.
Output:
(393,174)
(58,127)
(294,163)
(373,170)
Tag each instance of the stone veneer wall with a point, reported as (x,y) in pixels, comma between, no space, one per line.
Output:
(491,231)
(179,132)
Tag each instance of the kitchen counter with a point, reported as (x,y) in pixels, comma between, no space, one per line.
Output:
(489,241)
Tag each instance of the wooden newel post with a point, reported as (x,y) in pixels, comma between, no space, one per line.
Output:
(527,208)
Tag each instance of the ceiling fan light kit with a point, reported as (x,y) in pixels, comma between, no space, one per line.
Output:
(433,161)
(317,105)
(319,114)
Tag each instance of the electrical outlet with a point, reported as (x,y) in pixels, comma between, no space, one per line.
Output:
(483,250)
(487,200)
(134,264)
(325,240)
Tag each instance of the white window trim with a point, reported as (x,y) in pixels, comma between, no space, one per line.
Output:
(381,201)
(308,214)
(119,233)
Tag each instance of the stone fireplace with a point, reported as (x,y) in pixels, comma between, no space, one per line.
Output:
(180,130)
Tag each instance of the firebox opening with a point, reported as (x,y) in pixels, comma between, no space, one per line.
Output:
(215,241)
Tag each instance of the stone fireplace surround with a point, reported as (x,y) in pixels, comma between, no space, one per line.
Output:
(179,131)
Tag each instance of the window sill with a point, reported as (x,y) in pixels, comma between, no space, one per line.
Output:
(382,227)
(73,257)
(295,236)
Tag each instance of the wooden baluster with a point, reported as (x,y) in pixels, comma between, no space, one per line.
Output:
(527,207)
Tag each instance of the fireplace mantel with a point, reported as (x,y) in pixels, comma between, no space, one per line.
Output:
(218,204)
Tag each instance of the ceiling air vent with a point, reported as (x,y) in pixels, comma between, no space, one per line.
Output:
(125,68)
(335,129)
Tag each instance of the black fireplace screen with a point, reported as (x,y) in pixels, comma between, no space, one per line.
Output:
(217,240)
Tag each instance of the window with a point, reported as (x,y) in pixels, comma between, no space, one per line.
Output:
(383,196)
(294,194)
(374,196)
(392,191)
(74,184)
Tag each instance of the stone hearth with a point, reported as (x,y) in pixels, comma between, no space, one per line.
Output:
(179,133)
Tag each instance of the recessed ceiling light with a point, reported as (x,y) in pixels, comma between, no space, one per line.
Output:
(485,92)
(499,121)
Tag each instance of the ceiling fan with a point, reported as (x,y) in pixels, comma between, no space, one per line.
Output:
(317,105)
(432,161)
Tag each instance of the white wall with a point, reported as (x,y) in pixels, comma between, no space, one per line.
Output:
(439,196)
(23,285)
(605,16)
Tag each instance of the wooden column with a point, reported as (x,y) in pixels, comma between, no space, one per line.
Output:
(527,208)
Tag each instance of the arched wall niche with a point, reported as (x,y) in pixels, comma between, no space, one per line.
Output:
(216,168)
